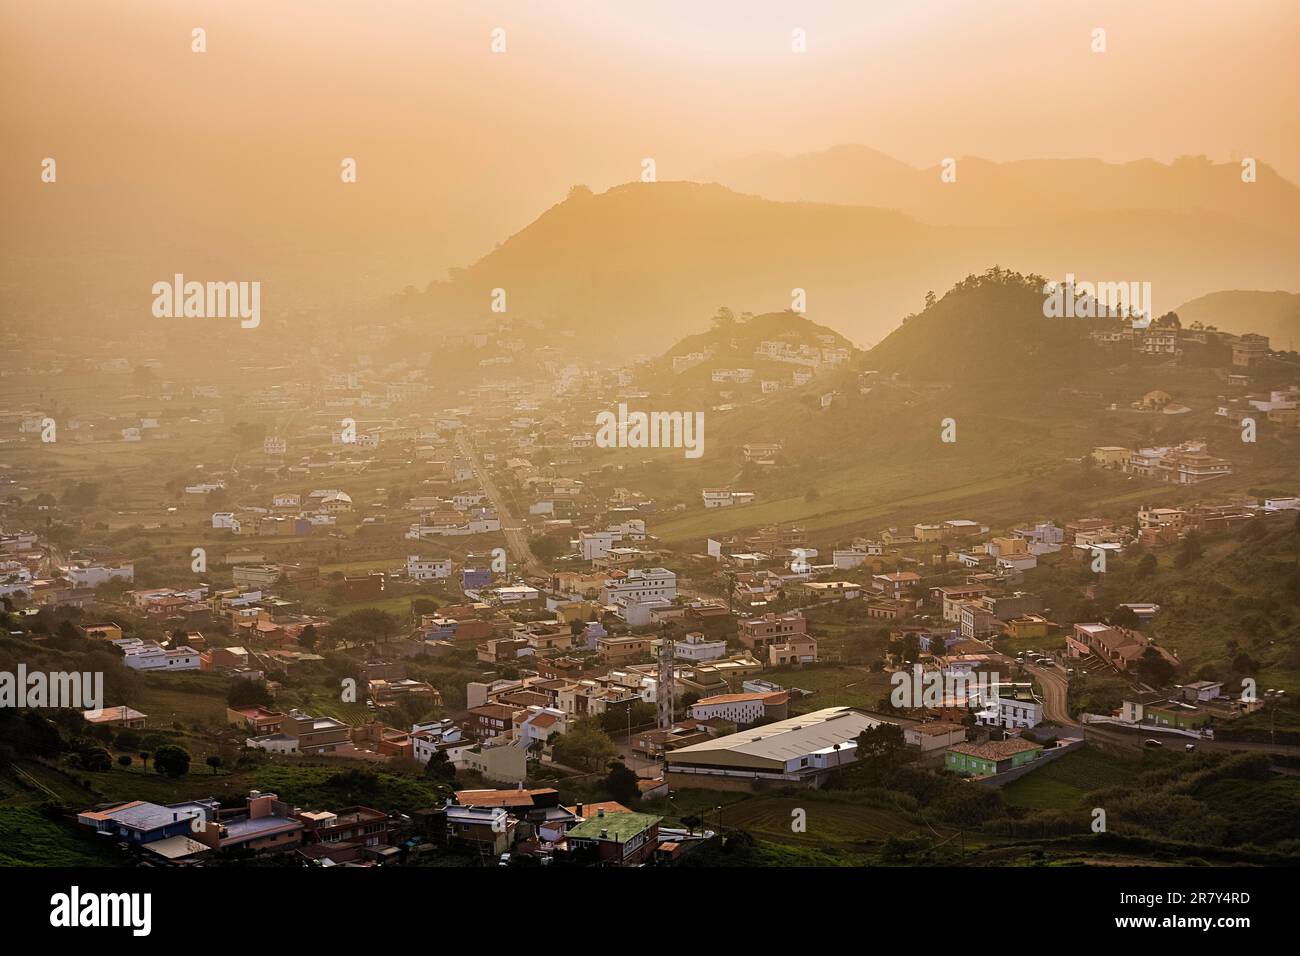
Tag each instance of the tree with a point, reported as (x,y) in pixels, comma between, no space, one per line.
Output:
(1190,552)
(911,647)
(144,758)
(1124,617)
(617,720)
(882,743)
(97,759)
(440,767)
(622,783)
(1146,565)
(901,849)
(172,761)
(585,746)
(124,760)
(545,548)
(1154,668)
(215,763)
(1243,663)
(81,494)
(249,693)
(33,735)
(366,626)
(308,638)
(967,807)
(67,637)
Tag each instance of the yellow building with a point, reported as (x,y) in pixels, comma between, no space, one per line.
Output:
(1110,456)
(577,611)
(1031,625)
(1009,546)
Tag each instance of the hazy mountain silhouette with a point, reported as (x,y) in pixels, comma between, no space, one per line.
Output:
(1275,314)
(989,193)
(633,268)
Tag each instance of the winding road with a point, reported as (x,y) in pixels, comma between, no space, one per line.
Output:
(1055,687)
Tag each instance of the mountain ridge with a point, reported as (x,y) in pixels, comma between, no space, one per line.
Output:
(641,261)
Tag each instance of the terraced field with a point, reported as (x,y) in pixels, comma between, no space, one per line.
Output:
(770,818)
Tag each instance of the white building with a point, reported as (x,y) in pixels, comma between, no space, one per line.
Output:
(427,569)
(716,497)
(205,487)
(648,584)
(848,559)
(741,708)
(797,750)
(148,656)
(84,575)
(479,522)
(540,724)
(1282,504)
(428,738)
(1017,709)
(696,647)
(596,544)
(633,529)
(514,594)
(725,497)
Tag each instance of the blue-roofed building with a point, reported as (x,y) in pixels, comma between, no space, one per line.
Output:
(471,579)
(142,822)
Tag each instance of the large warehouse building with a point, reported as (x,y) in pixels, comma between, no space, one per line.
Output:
(801,749)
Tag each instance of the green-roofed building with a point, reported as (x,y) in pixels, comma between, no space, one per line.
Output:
(618,839)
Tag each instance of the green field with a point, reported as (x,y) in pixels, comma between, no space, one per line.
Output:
(29,837)
(1062,783)
(828,823)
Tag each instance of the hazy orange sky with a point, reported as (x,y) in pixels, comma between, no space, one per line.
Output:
(233,155)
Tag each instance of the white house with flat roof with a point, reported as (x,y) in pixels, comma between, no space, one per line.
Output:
(640,584)
(427,569)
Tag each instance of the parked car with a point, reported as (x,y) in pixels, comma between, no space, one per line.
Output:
(1151,742)
(1190,747)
